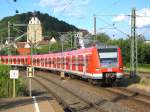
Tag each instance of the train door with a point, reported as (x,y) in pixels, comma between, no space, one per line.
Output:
(80,63)
(25,60)
(42,62)
(2,61)
(67,63)
(38,62)
(19,61)
(62,62)
(29,60)
(73,63)
(16,60)
(11,61)
(49,62)
(34,61)
(6,60)
(58,62)
(22,61)
(84,64)
(54,62)
(76,62)
(87,62)
(70,62)
(45,61)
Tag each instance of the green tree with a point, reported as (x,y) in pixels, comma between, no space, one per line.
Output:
(102,37)
(49,24)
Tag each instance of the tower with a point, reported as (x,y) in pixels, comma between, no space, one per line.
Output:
(34,30)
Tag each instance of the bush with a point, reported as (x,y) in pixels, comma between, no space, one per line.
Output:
(6,84)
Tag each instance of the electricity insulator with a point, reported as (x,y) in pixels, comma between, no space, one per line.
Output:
(17,11)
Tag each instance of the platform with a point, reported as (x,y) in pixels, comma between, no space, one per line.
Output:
(29,104)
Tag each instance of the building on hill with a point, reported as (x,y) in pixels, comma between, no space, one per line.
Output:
(34,30)
(84,32)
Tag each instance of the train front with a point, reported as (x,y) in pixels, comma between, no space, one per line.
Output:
(111,63)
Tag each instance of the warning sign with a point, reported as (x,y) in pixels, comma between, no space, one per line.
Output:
(14,74)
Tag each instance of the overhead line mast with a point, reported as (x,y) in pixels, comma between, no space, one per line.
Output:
(95,28)
(133,51)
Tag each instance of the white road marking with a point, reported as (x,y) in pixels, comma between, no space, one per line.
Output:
(35,104)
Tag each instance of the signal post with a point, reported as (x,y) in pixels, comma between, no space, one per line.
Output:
(30,75)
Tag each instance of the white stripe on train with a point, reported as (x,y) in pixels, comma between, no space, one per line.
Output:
(81,74)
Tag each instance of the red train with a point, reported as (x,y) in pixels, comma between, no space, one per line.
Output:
(92,63)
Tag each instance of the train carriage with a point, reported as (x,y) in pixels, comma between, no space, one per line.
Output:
(94,63)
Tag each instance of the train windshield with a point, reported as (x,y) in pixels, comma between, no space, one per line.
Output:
(108,57)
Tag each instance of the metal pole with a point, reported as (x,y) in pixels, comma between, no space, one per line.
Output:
(133,57)
(49,47)
(95,28)
(30,87)
(14,88)
(9,43)
(62,45)
(30,79)
(75,40)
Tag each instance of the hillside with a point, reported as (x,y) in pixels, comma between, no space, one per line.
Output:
(49,24)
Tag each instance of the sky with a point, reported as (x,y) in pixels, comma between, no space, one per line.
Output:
(113,16)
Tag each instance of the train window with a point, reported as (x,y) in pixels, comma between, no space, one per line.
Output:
(108,50)
(49,61)
(54,60)
(38,61)
(67,60)
(45,60)
(34,61)
(108,57)
(42,61)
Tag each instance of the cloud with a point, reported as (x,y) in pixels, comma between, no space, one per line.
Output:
(143,21)
(120,18)
(74,8)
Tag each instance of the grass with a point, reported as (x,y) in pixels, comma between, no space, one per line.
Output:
(6,83)
(145,81)
(141,68)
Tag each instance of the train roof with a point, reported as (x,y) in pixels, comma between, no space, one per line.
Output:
(73,52)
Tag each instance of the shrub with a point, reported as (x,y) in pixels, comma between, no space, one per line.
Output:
(6,84)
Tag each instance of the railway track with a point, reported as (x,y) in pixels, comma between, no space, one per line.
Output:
(126,93)
(136,101)
(77,103)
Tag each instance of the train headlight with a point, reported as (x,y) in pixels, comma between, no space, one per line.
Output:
(121,68)
(97,69)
